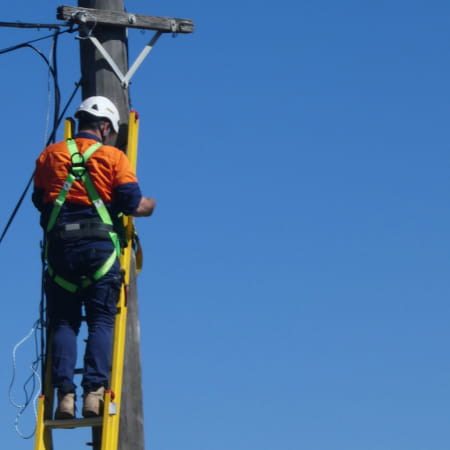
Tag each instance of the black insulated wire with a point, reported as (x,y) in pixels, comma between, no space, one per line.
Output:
(23,44)
(57,117)
(50,139)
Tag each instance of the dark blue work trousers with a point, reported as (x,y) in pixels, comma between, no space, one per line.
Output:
(73,261)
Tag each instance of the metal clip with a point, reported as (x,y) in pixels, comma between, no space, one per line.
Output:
(81,16)
(112,408)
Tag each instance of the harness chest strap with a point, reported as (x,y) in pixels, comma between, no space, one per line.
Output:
(79,171)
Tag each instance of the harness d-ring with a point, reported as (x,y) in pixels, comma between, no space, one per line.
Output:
(78,168)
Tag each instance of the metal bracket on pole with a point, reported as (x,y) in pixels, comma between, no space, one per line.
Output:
(138,61)
(124,79)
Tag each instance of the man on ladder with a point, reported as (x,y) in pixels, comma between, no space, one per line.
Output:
(81,186)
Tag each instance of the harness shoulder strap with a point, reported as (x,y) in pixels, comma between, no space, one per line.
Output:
(81,158)
(77,170)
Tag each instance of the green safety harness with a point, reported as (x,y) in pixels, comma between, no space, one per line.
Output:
(79,172)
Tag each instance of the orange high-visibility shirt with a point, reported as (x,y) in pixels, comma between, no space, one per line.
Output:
(108,168)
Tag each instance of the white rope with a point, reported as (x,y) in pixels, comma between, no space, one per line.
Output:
(35,378)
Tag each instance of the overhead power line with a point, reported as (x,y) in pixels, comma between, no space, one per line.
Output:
(52,66)
(25,44)
(48,26)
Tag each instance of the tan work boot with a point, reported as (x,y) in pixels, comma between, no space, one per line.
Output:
(66,406)
(93,402)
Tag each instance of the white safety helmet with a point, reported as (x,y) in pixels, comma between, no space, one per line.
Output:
(101,107)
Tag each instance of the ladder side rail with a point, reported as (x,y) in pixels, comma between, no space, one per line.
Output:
(43,437)
(111,413)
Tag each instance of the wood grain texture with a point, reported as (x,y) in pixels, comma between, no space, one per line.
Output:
(124,19)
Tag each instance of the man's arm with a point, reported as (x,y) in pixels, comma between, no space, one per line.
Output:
(145,207)
(38,198)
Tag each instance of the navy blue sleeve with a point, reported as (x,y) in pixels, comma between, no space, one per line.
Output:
(126,198)
(37,198)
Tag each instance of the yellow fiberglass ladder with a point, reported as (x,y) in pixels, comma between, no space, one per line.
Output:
(105,429)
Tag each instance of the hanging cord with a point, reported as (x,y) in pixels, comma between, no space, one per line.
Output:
(52,70)
(31,397)
(52,67)
(40,324)
(63,113)
(56,89)
(25,44)
(52,76)
(56,112)
(32,385)
(42,312)
(57,118)
(51,138)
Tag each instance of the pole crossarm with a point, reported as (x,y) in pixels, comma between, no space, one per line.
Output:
(93,16)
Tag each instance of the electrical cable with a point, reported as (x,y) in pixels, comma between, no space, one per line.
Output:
(31,394)
(33,385)
(50,139)
(24,44)
(53,72)
(49,26)
(57,118)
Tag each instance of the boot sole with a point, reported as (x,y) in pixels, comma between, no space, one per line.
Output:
(88,414)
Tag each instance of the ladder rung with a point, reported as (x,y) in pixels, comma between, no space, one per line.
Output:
(74,423)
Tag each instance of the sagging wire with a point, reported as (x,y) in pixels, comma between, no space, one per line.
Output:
(63,112)
(55,84)
(42,313)
(50,139)
(53,72)
(49,91)
(33,384)
(57,118)
(25,44)
(57,97)
(40,324)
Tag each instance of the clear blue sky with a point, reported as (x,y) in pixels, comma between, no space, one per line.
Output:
(295,292)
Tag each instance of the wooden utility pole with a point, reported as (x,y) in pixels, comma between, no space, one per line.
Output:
(99,79)
(106,22)
(97,76)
